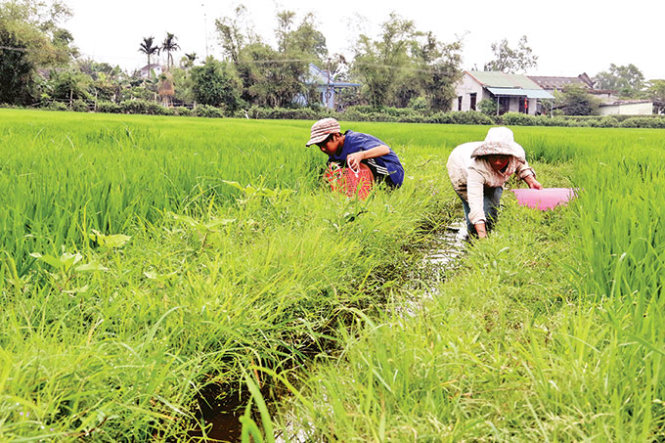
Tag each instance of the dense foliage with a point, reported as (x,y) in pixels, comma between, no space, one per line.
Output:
(628,79)
(512,61)
(30,38)
(214,85)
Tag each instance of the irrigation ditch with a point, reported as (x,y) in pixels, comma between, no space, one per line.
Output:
(219,408)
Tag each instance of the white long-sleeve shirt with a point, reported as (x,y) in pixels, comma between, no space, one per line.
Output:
(470,175)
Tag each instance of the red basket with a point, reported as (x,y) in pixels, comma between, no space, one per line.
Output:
(350,182)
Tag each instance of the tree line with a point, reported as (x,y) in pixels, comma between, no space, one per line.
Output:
(401,67)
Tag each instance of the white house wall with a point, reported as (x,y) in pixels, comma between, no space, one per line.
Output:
(515,105)
(464,89)
(533,106)
(628,109)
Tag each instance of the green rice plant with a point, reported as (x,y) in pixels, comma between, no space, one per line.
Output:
(62,181)
(212,246)
(210,254)
(550,330)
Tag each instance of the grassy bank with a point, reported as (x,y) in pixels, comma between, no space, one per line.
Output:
(549,331)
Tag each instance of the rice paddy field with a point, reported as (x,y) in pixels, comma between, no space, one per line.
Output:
(189,279)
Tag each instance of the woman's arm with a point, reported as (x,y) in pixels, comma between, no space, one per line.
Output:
(475,193)
(526,173)
(532,182)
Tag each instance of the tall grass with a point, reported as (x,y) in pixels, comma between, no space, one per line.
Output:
(144,259)
(550,331)
(65,175)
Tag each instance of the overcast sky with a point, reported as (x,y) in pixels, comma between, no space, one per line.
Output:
(568,36)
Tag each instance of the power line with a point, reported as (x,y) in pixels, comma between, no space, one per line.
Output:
(9,48)
(295,60)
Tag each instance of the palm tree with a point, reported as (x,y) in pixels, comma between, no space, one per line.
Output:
(169,45)
(148,49)
(187,61)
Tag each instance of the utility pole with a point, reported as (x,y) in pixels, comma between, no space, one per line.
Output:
(205,27)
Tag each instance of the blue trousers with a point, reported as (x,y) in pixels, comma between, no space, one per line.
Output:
(491,199)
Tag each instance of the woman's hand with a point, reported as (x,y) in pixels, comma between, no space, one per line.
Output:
(532,182)
(480,230)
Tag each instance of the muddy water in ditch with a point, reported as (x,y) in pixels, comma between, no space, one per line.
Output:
(449,246)
(220,413)
(222,417)
(441,255)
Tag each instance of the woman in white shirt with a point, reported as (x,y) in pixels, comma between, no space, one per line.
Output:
(478,172)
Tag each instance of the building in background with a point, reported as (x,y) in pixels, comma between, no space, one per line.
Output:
(327,87)
(147,70)
(551,84)
(610,104)
(512,92)
(627,107)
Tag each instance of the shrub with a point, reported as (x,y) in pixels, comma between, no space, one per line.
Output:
(441,117)
(165,111)
(134,106)
(363,109)
(634,122)
(399,112)
(415,118)
(207,111)
(643,122)
(471,118)
(56,106)
(606,122)
(518,119)
(295,113)
(108,107)
(419,104)
(80,106)
(554,121)
(241,113)
(143,107)
(370,117)
(182,111)
(487,106)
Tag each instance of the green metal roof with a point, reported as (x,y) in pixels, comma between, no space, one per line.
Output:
(519,92)
(498,79)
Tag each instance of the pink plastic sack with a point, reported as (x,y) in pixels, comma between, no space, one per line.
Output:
(544,199)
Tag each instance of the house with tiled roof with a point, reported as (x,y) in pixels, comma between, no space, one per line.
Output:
(553,83)
(610,104)
(512,92)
